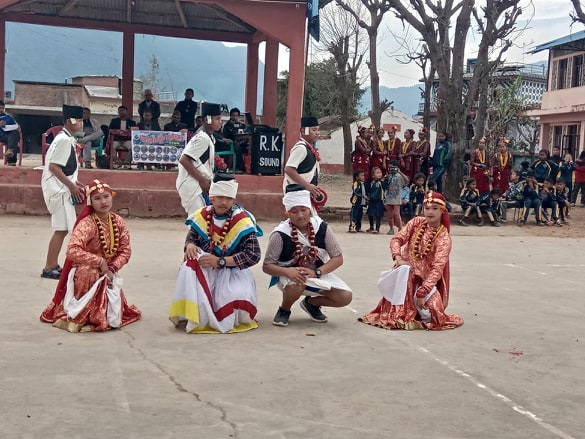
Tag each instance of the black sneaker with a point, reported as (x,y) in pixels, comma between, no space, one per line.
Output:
(313,311)
(281,317)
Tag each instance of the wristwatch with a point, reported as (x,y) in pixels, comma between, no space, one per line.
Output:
(318,273)
(221,262)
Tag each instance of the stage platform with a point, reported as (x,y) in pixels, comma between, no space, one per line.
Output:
(142,194)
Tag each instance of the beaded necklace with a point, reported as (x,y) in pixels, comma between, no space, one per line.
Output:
(416,248)
(480,155)
(381,145)
(503,162)
(313,150)
(224,230)
(111,249)
(300,259)
(405,146)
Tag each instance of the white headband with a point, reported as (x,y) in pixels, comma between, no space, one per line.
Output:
(224,189)
(296,198)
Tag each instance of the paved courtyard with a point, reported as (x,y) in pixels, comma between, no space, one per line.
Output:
(513,370)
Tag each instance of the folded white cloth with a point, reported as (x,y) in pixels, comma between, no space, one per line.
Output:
(425,313)
(393,283)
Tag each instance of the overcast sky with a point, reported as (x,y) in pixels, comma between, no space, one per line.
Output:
(548,20)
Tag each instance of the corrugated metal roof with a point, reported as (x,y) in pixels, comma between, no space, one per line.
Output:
(559,42)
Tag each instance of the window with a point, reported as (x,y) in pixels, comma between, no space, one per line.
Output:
(577,76)
(563,71)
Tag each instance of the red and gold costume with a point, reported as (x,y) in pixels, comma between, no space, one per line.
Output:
(393,148)
(501,166)
(361,156)
(91,241)
(426,250)
(480,169)
(379,156)
(405,157)
(420,158)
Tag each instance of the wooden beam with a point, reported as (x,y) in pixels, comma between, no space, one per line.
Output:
(7,3)
(181,13)
(70,5)
(146,29)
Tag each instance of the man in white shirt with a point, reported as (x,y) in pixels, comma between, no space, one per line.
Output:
(302,166)
(197,161)
(61,190)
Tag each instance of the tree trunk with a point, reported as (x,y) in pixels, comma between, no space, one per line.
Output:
(347,147)
(374,78)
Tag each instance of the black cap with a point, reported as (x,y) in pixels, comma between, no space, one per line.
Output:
(530,173)
(309,121)
(294,188)
(222,176)
(72,111)
(209,109)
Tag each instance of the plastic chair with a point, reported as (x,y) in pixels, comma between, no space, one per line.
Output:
(231,152)
(53,131)
(4,147)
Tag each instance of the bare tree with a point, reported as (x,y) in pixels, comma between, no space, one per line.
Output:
(443,26)
(376,10)
(341,37)
(578,16)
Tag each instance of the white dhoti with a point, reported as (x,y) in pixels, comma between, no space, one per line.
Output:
(191,196)
(214,300)
(314,286)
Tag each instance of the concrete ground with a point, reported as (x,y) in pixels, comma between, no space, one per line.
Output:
(514,370)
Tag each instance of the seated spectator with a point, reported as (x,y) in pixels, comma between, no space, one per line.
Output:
(491,205)
(231,129)
(301,257)
(91,136)
(149,104)
(531,199)
(9,134)
(514,196)
(216,291)
(469,199)
(548,200)
(198,124)
(563,203)
(148,124)
(175,124)
(122,122)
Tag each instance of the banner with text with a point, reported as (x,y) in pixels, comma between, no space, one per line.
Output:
(164,147)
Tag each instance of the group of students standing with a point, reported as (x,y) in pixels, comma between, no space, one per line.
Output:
(383,170)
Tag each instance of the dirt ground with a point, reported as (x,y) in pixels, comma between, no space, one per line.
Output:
(338,188)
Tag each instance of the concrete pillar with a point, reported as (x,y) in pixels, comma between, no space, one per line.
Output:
(294,103)
(252,79)
(581,146)
(128,71)
(270,83)
(2,56)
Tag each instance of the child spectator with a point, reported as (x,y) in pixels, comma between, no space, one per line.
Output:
(358,200)
(524,168)
(562,200)
(376,201)
(548,200)
(566,172)
(531,199)
(393,184)
(405,206)
(490,204)
(469,199)
(432,187)
(544,167)
(579,185)
(417,194)
(514,196)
